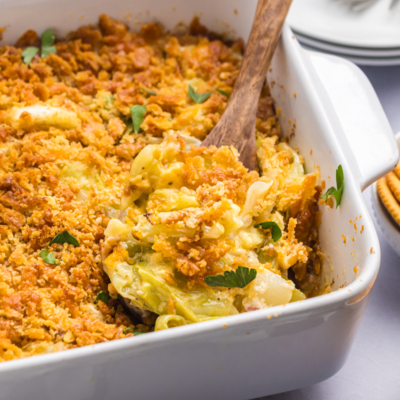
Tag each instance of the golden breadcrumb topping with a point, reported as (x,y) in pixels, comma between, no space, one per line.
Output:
(66,148)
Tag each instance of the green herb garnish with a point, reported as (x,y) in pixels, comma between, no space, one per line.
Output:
(137,114)
(202,97)
(133,333)
(47,40)
(239,278)
(148,91)
(199,97)
(65,237)
(275,230)
(336,192)
(47,257)
(103,297)
(223,92)
(29,53)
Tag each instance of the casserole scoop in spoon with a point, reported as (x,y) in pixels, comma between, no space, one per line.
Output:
(237,125)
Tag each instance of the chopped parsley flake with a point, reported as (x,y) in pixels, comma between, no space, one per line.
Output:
(239,278)
(126,330)
(223,92)
(148,91)
(47,40)
(47,257)
(65,237)
(336,192)
(198,97)
(275,230)
(102,296)
(137,114)
(29,53)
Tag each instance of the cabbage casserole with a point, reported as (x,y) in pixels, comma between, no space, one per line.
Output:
(114,221)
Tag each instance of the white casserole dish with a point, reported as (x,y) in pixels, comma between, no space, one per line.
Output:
(262,352)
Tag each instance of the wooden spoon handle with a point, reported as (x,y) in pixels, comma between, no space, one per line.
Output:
(237,125)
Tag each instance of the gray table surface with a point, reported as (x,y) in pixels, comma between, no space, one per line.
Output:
(372,371)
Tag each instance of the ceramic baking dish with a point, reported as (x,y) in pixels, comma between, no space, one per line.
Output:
(333,116)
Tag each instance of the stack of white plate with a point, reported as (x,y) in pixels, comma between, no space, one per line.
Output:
(367,37)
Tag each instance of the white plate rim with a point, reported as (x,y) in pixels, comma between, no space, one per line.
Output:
(376,62)
(309,30)
(349,50)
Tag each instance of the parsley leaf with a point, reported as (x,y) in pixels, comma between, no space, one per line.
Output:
(48,50)
(29,53)
(199,97)
(239,278)
(103,297)
(275,230)
(65,237)
(47,257)
(137,113)
(336,192)
(133,333)
(223,92)
(48,39)
(202,97)
(328,193)
(148,91)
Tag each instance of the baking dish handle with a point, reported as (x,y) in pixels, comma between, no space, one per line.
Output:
(363,128)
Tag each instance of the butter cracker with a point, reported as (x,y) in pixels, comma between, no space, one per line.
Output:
(397,169)
(388,199)
(394,184)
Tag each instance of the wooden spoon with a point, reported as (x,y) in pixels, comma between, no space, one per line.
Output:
(237,125)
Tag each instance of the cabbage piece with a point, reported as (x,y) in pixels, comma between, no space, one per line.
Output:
(145,284)
(117,230)
(151,170)
(190,140)
(169,321)
(78,173)
(249,238)
(173,199)
(267,290)
(254,199)
(44,117)
(297,296)
(214,231)
(230,220)
(144,230)
(296,168)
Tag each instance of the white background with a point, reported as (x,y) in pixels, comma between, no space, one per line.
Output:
(372,371)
